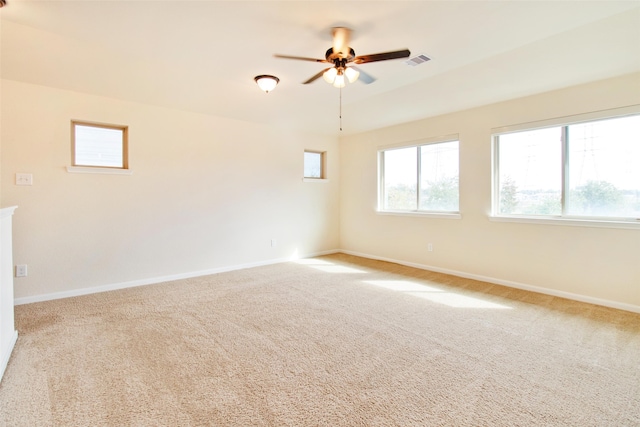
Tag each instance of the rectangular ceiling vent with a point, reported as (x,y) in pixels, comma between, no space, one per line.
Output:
(417,60)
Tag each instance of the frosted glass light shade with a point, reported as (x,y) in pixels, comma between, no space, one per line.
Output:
(267,83)
(352,75)
(330,75)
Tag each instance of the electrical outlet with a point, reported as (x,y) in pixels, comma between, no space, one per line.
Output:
(274,243)
(21,270)
(430,247)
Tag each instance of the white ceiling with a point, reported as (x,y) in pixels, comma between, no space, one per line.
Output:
(202,56)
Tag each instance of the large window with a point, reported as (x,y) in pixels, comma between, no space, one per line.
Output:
(582,170)
(99,145)
(421,178)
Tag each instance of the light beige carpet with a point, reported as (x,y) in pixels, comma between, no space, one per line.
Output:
(330,341)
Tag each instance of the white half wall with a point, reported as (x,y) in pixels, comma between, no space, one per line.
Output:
(594,263)
(8,333)
(205,193)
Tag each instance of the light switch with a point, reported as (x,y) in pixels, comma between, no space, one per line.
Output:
(24,179)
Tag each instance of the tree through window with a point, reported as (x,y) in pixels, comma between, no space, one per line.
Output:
(421,178)
(588,169)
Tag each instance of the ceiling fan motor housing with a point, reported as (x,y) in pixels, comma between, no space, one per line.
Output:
(337,57)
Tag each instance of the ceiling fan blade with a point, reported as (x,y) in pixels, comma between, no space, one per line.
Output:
(341,37)
(364,77)
(315,77)
(362,59)
(300,58)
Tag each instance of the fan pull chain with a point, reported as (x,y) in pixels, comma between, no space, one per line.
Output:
(340,109)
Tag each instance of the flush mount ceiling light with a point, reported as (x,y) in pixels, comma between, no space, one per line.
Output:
(266,82)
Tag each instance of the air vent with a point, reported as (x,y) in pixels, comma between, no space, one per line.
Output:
(417,60)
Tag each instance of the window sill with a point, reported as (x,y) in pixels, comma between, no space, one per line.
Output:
(572,222)
(315,180)
(434,215)
(98,170)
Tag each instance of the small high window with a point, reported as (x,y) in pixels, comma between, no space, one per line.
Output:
(314,165)
(98,145)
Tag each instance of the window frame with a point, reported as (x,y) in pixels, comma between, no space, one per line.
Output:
(563,218)
(85,168)
(416,212)
(323,166)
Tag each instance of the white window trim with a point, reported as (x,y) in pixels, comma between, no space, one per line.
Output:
(423,214)
(85,168)
(323,167)
(573,222)
(601,222)
(99,170)
(416,143)
(568,120)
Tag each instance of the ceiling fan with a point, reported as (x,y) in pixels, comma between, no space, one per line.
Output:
(343,58)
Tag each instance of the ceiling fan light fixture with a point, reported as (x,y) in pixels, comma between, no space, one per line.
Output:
(352,75)
(339,81)
(266,82)
(330,75)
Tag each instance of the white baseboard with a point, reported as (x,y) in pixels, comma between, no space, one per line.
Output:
(150,281)
(6,353)
(161,279)
(568,295)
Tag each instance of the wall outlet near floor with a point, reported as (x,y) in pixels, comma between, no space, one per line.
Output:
(21,270)
(274,243)
(430,247)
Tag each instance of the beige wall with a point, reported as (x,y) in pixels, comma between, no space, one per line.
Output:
(594,264)
(206,193)
(210,193)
